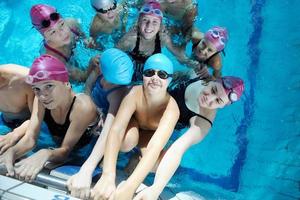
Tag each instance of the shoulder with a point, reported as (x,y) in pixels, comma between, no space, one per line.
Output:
(84,104)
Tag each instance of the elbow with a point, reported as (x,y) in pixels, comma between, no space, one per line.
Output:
(31,143)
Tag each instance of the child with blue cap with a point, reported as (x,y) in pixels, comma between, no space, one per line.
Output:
(146,119)
(111,85)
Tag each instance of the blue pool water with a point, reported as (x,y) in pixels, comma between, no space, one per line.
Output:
(253,150)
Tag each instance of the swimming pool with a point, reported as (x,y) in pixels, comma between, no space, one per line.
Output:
(253,150)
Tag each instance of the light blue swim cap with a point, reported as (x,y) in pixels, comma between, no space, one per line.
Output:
(116,66)
(159,62)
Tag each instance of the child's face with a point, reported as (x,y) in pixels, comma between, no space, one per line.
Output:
(149,26)
(49,93)
(204,50)
(213,96)
(59,34)
(109,13)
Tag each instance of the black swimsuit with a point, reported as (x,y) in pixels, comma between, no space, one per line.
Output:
(58,131)
(140,58)
(185,114)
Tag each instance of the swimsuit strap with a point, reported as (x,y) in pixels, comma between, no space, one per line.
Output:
(56,52)
(157,48)
(206,119)
(70,109)
(137,44)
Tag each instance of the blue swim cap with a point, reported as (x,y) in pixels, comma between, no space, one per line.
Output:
(159,62)
(116,66)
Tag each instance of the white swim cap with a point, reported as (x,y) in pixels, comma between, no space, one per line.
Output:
(98,4)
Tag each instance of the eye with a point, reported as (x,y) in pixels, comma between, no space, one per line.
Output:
(36,90)
(52,32)
(49,86)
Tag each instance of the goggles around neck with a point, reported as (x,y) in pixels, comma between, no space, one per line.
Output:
(160,73)
(45,23)
(150,10)
(42,75)
(103,11)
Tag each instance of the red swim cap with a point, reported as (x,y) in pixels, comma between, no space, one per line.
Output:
(218,36)
(233,86)
(43,17)
(47,67)
(152,8)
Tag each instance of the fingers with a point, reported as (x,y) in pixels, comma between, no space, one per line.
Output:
(9,166)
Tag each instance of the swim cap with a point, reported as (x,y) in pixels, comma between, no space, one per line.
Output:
(41,12)
(233,86)
(159,62)
(100,4)
(152,8)
(218,36)
(116,66)
(47,67)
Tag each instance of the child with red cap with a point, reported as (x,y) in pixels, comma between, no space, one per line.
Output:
(57,105)
(60,37)
(197,113)
(207,49)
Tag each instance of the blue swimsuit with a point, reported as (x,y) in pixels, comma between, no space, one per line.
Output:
(99,94)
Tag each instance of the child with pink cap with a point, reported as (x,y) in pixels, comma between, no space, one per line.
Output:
(60,37)
(148,37)
(109,23)
(197,113)
(57,105)
(207,49)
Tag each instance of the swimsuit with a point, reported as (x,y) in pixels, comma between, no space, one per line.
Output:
(58,131)
(140,58)
(99,94)
(185,114)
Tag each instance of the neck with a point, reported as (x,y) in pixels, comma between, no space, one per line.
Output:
(155,98)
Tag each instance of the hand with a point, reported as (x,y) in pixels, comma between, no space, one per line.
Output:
(28,168)
(104,188)
(79,185)
(89,43)
(7,141)
(8,159)
(147,194)
(123,192)
(202,71)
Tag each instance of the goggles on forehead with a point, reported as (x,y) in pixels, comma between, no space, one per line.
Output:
(232,95)
(103,11)
(45,23)
(150,10)
(216,34)
(160,73)
(42,75)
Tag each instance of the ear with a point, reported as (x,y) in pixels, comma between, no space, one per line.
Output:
(68,84)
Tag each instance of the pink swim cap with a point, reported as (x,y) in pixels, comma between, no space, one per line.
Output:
(218,36)
(233,86)
(47,67)
(43,17)
(152,8)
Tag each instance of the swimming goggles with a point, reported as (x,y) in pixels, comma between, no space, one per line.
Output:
(160,73)
(45,23)
(150,10)
(217,35)
(232,95)
(101,10)
(42,75)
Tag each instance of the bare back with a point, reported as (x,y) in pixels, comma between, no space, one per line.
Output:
(16,93)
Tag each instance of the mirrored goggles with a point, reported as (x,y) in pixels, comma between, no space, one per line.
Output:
(232,95)
(160,73)
(216,34)
(47,22)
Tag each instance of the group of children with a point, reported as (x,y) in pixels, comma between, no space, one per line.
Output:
(132,99)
